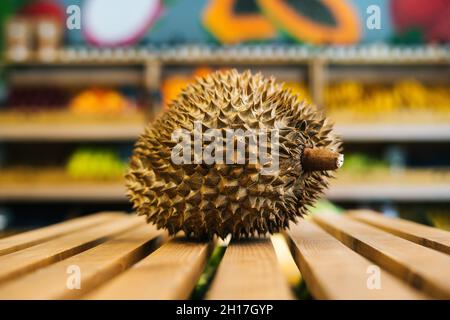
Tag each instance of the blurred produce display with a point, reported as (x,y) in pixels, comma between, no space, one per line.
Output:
(361,163)
(172,86)
(404,100)
(92,101)
(99,102)
(64,105)
(364,168)
(29,99)
(84,164)
(439,218)
(96,164)
(300,89)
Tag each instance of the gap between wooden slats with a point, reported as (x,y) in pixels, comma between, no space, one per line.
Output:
(333,271)
(424,235)
(96,266)
(249,270)
(27,260)
(33,237)
(171,272)
(423,268)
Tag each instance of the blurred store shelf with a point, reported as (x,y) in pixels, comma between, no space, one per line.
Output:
(405,192)
(112,76)
(374,73)
(386,54)
(393,132)
(409,185)
(130,132)
(70,132)
(251,54)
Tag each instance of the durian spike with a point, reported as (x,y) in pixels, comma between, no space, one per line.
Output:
(321,159)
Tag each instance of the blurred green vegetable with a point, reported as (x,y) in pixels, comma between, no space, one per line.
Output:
(208,273)
(360,162)
(96,163)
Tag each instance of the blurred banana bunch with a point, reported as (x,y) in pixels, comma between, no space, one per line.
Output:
(440,219)
(407,95)
(299,89)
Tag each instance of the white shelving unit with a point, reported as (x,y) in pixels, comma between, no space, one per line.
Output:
(399,193)
(394,132)
(70,133)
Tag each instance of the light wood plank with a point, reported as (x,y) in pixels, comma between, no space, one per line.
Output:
(333,271)
(424,268)
(250,270)
(33,237)
(424,235)
(96,266)
(171,272)
(30,259)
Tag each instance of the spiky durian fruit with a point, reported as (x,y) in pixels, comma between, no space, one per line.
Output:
(204,200)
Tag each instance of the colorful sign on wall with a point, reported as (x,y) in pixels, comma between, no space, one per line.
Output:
(315,22)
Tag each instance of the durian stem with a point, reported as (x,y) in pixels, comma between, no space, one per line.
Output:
(321,159)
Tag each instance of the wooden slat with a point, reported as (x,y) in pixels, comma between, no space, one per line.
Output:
(97,265)
(333,271)
(424,235)
(171,272)
(30,259)
(424,268)
(31,238)
(249,270)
